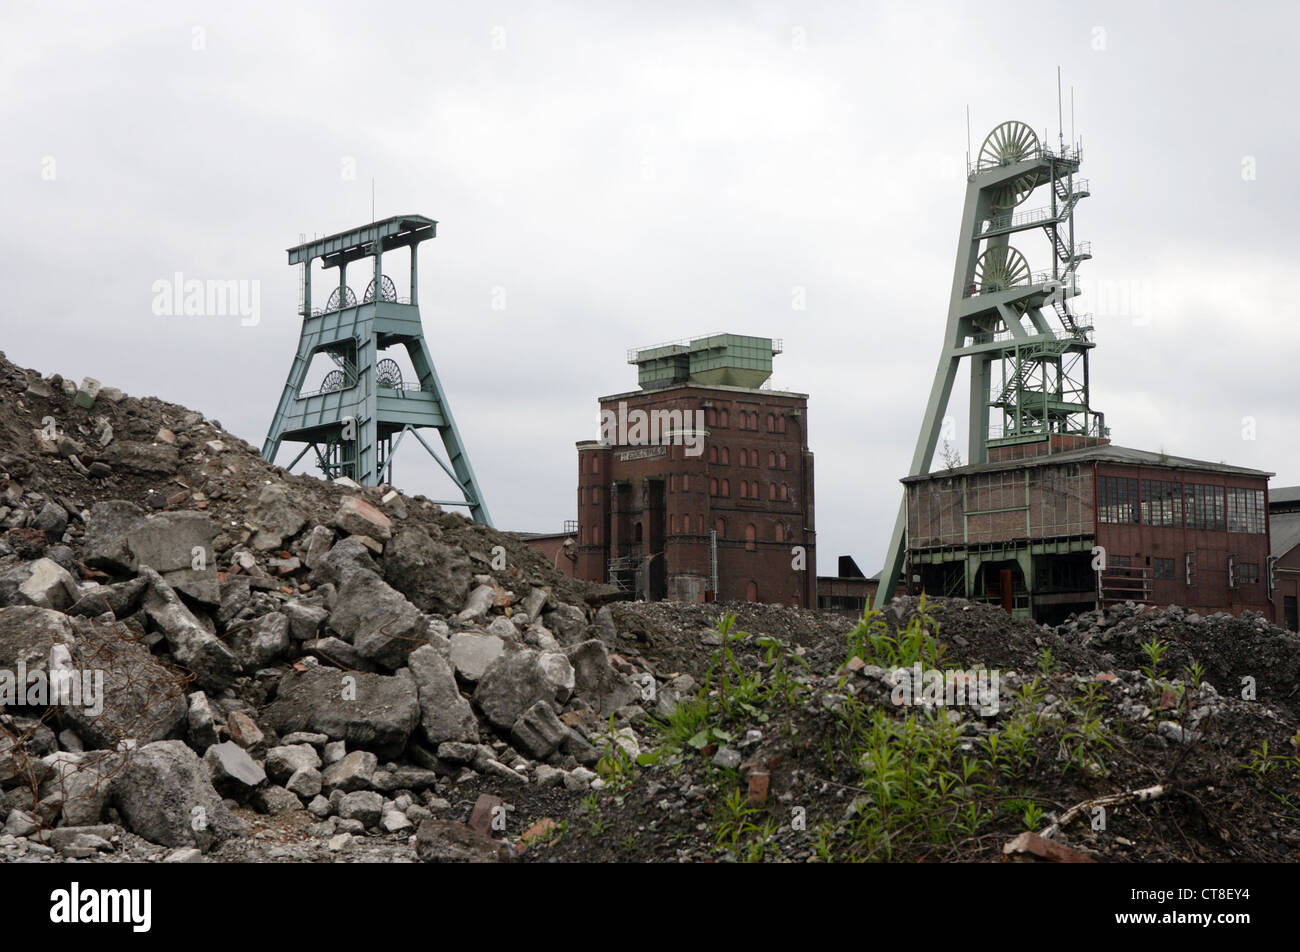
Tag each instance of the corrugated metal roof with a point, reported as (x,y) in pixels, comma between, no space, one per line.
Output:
(1283,533)
(1106,453)
(1284,494)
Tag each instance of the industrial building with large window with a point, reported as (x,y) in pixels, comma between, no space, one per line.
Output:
(1047,535)
(701,487)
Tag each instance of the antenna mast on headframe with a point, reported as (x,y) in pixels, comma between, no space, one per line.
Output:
(1060,121)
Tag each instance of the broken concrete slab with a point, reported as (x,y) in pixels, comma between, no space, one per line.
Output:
(233,772)
(28,632)
(49,585)
(164,794)
(472,653)
(538,731)
(372,711)
(132,694)
(512,684)
(192,645)
(595,679)
(433,575)
(376,619)
(444,714)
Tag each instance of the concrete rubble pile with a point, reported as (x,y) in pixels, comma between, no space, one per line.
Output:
(268,645)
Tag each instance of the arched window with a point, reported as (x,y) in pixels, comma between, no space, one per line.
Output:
(771,423)
(672,483)
(771,491)
(744,489)
(711,417)
(751,592)
(785,491)
(686,482)
(721,528)
(595,463)
(726,487)
(713,454)
(784,463)
(722,417)
(686,523)
(771,459)
(750,536)
(779,532)
(753,420)
(744,457)
(713,486)
(726,457)
(753,490)
(780,424)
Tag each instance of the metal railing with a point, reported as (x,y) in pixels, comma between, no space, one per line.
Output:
(1082,323)
(1083,330)
(318,311)
(683,345)
(404,386)
(1034,216)
(1065,154)
(317,393)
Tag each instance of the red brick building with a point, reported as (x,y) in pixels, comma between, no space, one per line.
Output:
(1284,545)
(558,548)
(701,486)
(1022,532)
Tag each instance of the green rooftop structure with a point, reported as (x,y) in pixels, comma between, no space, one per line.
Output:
(363,409)
(727,360)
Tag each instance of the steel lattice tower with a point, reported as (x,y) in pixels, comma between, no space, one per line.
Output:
(350,422)
(1028,350)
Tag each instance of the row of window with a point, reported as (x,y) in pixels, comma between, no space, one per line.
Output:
(591,534)
(717,454)
(745,419)
(779,532)
(831,603)
(682,483)
(722,456)
(1247,511)
(1155,502)
(1241,573)
(749,490)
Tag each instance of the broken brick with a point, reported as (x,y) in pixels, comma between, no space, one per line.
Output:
(486,808)
(1030,848)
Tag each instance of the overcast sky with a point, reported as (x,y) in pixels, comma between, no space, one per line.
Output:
(622,174)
